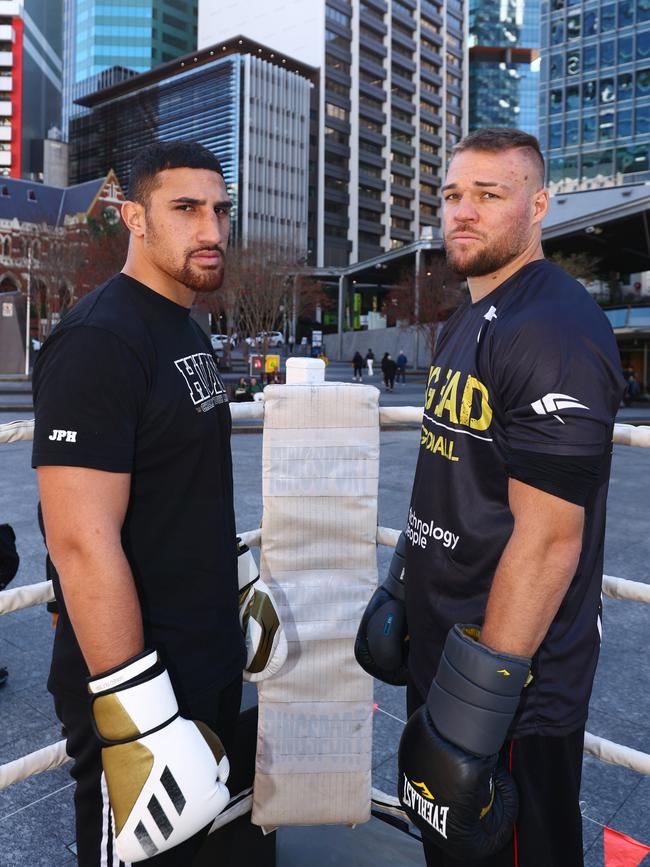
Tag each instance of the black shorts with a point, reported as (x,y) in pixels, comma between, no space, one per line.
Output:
(548,831)
(217,708)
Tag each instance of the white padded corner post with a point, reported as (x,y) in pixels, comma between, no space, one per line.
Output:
(320,480)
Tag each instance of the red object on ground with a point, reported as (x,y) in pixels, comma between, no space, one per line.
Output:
(622,851)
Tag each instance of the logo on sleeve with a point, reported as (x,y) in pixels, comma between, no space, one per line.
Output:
(68,436)
(202,379)
(552,403)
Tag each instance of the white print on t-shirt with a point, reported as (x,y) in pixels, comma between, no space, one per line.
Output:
(70,436)
(202,378)
(419,532)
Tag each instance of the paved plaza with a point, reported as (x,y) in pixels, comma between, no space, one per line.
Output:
(36,818)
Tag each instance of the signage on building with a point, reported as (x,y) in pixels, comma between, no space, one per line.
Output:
(7,308)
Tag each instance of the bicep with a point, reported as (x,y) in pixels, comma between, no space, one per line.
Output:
(82,507)
(544,517)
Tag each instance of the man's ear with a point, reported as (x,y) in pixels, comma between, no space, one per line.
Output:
(540,205)
(133,216)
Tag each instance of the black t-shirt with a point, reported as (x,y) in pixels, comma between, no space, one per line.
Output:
(128,383)
(532,366)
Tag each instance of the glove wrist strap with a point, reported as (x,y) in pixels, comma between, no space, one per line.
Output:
(476,692)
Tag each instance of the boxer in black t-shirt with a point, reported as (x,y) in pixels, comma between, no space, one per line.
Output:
(504,537)
(132,446)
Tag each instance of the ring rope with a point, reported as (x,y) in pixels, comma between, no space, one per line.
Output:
(624,434)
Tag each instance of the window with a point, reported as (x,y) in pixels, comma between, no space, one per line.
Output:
(332,38)
(589,93)
(642,120)
(31,195)
(608,18)
(399,158)
(556,67)
(606,126)
(369,216)
(335,111)
(400,201)
(590,23)
(643,82)
(572,98)
(555,101)
(369,192)
(427,189)
(555,135)
(557,33)
(625,52)
(335,136)
(403,137)
(370,125)
(624,123)
(369,102)
(572,132)
(335,15)
(642,10)
(624,86)
(607,92)
(372,171)
(336,87)
(589,58)
(607,53)
(573,62)
(632,159)
(335,63)
(643,45)
(597,163)
(625,13)
(573,27)
(427,148)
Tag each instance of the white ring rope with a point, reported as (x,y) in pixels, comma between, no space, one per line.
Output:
(46,759)
(624,434)
(26,596)
(616,754)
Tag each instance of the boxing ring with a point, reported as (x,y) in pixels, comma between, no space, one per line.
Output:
(382,805)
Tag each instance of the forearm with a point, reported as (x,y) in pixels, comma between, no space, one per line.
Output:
(102,602)
(534,573)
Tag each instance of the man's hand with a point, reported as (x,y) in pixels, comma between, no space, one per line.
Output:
(382,643)
(449,782)
(166,775)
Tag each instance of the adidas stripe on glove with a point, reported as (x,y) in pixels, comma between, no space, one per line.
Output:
(166,775)
(266,643)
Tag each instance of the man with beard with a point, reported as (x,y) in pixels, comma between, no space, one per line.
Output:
(504,540)
(134,468)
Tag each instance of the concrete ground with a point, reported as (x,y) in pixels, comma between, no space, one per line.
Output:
(36,817)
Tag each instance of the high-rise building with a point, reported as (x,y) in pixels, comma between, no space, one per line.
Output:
(30,83)
(135,35)
(504,62)
(595,92)
(242,101)
(393,78)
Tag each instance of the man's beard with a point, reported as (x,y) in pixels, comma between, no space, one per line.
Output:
(488,259)
(202,281)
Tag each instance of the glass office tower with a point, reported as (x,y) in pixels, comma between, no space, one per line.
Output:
(595,92)
(133,34)
(504,64)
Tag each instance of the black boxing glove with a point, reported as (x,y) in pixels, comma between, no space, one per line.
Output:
(450,784)
(382,644)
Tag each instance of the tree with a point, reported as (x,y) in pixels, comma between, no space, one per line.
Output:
(264,287)
(426,302)
(582,266)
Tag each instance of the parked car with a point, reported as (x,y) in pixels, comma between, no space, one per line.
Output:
(221,341)
(274,338)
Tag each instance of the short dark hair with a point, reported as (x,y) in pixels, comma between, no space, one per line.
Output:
(161,155)
(496,139)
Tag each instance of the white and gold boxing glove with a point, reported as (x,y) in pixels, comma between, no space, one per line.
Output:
(166,775)
(266,643)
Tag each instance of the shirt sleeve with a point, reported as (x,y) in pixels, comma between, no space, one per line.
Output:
(557,386)
(89,388)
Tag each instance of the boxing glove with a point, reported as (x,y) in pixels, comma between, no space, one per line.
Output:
(266,643)
(450,784)
(382,644)
(166,775)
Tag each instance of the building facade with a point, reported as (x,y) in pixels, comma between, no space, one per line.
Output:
(237,99)
(30,66)
(391,105)
(134,35)
(595,92)
(504,64)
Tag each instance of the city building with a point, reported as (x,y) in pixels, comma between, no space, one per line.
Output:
(391,105)
(595,92)
(504,64)
(123,36)
(246,103)
(30,66)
